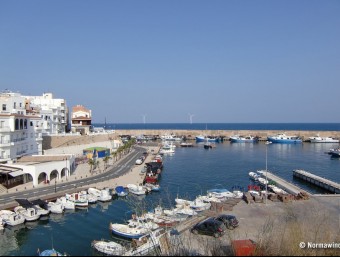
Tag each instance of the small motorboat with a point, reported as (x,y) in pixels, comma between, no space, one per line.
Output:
(30,214)
(56,207)
(109,248)
(152,187)
(68,205)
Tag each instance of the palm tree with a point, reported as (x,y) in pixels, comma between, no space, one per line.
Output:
(106,160)
(91,162)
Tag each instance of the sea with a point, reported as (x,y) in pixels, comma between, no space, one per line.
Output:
(187,173)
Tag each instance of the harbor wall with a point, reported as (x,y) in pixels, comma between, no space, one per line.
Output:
(63,140)
(228,133)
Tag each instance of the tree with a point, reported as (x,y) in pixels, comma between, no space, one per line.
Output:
(106,160)
(91,162)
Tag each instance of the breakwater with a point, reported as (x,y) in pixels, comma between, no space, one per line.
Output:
(191,134)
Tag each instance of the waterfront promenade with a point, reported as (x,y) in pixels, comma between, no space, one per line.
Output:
(122,172)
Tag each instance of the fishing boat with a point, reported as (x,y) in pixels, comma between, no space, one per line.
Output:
(170,137)
(207,139)
(11,218)
(137,190)
(109,247)
(284,139)
(30,214)
(121,191)
(79,199)
(318,139)
(243,139)
(56,207)
(68,205)
(41,207)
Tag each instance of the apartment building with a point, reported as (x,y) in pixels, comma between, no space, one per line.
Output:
(20,133)
(53,112)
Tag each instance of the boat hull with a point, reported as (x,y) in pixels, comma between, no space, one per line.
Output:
(285,141)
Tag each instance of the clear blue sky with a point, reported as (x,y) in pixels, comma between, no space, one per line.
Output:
(224,61)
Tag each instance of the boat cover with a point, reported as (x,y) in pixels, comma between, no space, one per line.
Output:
(41,203)
(120,189)
(24,203)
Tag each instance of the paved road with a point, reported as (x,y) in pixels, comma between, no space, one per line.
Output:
(114,172)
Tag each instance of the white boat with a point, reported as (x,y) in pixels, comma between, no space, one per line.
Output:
(79,199)
(137,190)
(182,201)
(243,139)
(152,187)
(56,207)
(209,198)
(171,137)
(105,195)
(30,214)
(254,175)
(221,193)
(238,194)
(11,218)
(262,181)
(109,248)
(41,211)
(277,190)
(318,139)
(199,205)
(68,205)
(131,230)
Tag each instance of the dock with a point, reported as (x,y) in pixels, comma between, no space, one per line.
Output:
(317,181)
(285,185)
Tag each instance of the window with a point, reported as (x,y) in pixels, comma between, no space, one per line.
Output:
(20,105)
(15,105)
(4,107)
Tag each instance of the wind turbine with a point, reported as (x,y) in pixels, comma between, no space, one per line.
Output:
(190,117)
(144,118)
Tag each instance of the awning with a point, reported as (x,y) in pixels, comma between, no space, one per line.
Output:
(16,173)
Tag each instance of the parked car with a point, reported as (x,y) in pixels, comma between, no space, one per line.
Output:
(230,221)
(210,226)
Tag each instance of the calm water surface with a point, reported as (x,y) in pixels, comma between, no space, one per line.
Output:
(187,173)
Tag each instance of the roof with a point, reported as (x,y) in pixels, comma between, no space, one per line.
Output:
(24,203)
(96,148)
(42,158)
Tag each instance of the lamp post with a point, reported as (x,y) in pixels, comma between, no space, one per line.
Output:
(267,143)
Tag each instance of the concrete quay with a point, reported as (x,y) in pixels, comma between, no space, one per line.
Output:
(285,185)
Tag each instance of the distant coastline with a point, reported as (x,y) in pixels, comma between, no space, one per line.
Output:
(222,126)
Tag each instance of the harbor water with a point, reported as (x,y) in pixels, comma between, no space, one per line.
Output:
(187,173)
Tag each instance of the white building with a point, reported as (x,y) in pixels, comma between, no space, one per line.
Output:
(20,133)
(53,113)
(81,120)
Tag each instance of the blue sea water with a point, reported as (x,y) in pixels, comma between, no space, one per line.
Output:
(225,126)
(187,173)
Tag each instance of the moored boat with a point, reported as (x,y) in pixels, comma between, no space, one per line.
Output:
(284,139)
(109,247)
(137,190)
(243,139)
(318,139)
(11,218)
(121,191)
